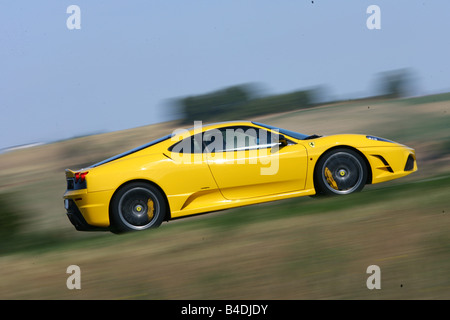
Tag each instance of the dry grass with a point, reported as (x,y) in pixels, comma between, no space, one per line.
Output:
(321,256)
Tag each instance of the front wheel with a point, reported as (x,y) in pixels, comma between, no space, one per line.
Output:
(340,171)
(137,206)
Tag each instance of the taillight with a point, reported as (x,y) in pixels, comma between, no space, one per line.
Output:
(81,176)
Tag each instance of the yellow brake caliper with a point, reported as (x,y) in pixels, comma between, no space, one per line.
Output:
(150,209)
(330,179)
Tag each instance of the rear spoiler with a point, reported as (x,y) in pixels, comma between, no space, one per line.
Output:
(70,173)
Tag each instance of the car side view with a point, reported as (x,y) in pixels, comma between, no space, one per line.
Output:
(221,166)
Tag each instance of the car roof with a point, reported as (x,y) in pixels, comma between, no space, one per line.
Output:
(222,124)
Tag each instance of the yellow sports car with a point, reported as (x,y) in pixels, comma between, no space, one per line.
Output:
(225,165)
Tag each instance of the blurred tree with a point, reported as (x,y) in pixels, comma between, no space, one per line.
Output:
(203,107)
(240,101)
(395,83)
(10,217)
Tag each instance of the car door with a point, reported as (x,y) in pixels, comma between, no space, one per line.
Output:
(248,162)
(192,184)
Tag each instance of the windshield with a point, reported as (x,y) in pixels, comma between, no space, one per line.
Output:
(131,151)
(293,134)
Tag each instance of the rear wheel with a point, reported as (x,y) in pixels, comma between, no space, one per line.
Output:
(137,206)
(340,171)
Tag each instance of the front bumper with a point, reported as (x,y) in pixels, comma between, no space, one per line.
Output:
(390,163)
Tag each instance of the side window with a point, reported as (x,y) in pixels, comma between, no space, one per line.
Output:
(233,138)
(214,140)
(192,144)
(239,138)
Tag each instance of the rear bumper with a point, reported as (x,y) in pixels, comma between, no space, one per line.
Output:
(88,211)
(77,219)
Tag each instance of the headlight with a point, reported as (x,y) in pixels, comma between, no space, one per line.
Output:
(378,139)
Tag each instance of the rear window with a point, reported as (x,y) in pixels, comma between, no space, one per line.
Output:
(132,151)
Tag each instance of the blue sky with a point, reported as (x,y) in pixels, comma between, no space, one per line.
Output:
(129,58)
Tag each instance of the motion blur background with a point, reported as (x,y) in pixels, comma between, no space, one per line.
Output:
(137,71)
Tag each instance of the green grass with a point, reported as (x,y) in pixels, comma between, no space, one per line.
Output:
(442,97)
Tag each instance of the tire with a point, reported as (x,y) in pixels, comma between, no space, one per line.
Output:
(137,206)
(340,171)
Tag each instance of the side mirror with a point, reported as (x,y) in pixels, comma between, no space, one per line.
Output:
(282,140)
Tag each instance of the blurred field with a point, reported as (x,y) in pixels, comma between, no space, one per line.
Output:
(305,248)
